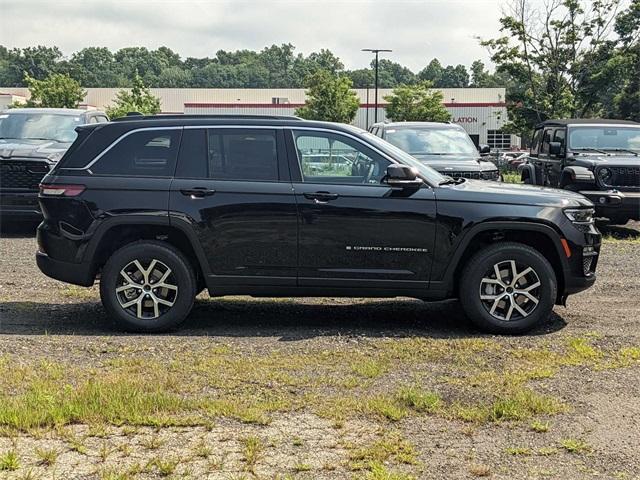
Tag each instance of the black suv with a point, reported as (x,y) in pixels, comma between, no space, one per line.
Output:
(445,147)
(598,158)
(163,207)
(32,140)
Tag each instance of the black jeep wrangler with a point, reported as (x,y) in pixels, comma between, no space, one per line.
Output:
(598,158)
(162,207)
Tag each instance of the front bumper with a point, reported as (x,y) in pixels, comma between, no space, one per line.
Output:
(20,205)
(615,204)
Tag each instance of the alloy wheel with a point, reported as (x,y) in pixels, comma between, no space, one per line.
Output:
(510,291)
(146,291)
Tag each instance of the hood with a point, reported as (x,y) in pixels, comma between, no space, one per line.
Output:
(455,163)
(617,159)
(518,194)
(36,149)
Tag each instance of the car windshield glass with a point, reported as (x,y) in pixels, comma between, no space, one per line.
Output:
(39,126)
(433,141)
(604,137)
(403,157)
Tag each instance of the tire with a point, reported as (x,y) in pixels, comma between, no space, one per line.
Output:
(154,309)
(508,304)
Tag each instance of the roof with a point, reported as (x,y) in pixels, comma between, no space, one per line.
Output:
(138,121)
(586,121)
(56,111)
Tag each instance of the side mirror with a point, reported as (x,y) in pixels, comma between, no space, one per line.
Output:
(402,176)
(555,148)
(484,149)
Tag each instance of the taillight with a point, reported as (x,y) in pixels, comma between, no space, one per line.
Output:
(61,190)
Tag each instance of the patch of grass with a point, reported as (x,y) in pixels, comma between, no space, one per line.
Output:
(524,451)
(573,445)
(302,467)
(114,474)
(47,456)
(251,452)
(369,367)
(164,466)
(9,461)
(547,451)
(419,399)
(153,442)
(378,471)
(511,177)
(386,407)
(81,293)
(392,447)
(202,450)
(539,427)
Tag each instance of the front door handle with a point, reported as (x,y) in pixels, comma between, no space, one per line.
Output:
(197,192)
(321,197)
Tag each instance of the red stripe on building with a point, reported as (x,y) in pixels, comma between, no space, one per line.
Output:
(296,105)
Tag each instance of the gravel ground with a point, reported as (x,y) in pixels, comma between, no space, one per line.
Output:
(44,320)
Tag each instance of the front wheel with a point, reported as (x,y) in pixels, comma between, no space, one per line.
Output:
(508,288)
(148,286)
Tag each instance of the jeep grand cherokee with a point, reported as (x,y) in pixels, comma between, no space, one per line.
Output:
(162,207)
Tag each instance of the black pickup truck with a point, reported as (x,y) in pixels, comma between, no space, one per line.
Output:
(598,158)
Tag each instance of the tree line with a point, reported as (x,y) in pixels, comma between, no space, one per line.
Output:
(277,66)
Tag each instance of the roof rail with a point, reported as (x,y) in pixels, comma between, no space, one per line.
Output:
(135,116)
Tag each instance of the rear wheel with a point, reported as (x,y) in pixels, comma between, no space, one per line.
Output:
(508,288)
(148,286)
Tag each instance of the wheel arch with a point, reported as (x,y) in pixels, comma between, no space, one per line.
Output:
(543,238)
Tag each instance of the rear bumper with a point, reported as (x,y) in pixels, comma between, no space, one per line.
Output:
(615,204)
(75,273)
(20,205)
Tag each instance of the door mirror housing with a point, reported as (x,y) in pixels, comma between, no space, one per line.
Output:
(555,148)
(484,149)
(402,176)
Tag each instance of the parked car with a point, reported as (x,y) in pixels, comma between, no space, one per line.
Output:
(445,147)
(598,158)
(512,160)
(163,207)
(32,140)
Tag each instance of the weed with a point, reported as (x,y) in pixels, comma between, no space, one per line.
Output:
(519,451)
(419,400)
(369,367)
(153,442)
(572,445)
(47,456)
(377,471)
(252,451)
(392,447)
(202,450)
(302,467)
(164,466)
(9,461)
(539,427)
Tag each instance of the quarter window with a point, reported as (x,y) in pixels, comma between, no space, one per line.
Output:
(144,153)
(328,158)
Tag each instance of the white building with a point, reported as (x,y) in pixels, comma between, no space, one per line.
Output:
(481,111)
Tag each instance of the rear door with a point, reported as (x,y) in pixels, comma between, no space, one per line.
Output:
(355,231)
(232,188)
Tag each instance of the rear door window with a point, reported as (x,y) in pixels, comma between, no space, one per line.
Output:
(143,153)
(242,155)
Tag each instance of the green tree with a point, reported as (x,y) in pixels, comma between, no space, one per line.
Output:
(432,72)
(329,98)
(138,99)
(553,52)
(56,91)
(416,103)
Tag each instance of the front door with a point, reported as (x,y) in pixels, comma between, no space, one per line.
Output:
(232,186)
(354,230)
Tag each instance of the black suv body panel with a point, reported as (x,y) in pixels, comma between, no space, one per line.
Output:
(288,237)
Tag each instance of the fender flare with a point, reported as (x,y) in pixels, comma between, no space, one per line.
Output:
(531,171)
(88,253)
(448,279)
(577,174)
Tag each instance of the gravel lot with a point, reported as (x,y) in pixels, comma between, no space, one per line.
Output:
(597,380)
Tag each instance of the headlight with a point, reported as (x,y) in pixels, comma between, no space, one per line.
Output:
(580,215)
(604,174)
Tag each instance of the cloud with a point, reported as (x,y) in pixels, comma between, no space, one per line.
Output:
(416,30)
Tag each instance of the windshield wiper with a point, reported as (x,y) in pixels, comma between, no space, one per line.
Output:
(621,150)
(590,149)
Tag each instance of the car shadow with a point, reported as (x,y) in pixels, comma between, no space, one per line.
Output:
(285,319)
(630,231)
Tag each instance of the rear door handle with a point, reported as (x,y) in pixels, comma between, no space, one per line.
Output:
(197,192)
(321,197)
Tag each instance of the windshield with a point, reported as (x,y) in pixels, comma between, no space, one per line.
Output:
(431,141)
(604,138)
(39,126)
(425,171)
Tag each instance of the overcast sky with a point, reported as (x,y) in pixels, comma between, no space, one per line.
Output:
(416,30)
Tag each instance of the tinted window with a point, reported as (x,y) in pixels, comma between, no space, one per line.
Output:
(242,155)
(144,153)
(436,141)
(605,137)
(545,141)
(327,158)
(192,161)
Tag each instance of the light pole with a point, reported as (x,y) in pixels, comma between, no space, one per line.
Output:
(376,51)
